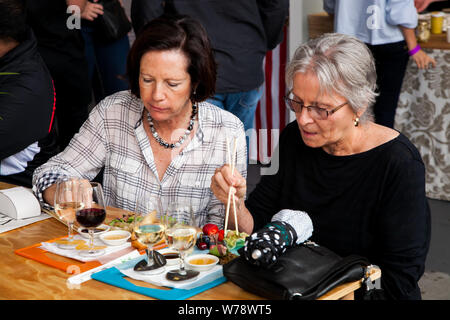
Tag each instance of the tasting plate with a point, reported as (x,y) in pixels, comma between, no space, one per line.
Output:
(114,276)
(37,253)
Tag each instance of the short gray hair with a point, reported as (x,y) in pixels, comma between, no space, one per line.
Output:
(343,65)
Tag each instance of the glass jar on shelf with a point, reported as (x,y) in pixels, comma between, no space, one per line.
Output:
(423,31)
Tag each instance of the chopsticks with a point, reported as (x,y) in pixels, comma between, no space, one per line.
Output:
(232,162)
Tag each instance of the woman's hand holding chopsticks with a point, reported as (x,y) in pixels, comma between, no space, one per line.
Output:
(221,182)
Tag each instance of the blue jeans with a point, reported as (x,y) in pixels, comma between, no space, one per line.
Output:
(109,60)
(241,104)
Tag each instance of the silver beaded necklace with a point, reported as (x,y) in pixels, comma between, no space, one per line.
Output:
(182,138)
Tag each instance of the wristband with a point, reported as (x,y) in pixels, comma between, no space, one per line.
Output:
(414,51)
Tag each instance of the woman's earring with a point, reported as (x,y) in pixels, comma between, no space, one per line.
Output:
(356,122)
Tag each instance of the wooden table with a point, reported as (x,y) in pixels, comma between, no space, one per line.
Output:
(22,278)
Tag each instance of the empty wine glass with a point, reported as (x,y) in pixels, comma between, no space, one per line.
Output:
(149,230)
(66,204)
(181,235)
(91,213)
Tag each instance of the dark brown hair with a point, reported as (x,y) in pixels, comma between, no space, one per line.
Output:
(171,33)
(13,24)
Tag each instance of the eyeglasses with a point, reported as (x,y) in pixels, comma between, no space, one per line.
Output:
(318,112)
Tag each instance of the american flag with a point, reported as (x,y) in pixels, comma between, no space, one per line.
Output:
(271,113)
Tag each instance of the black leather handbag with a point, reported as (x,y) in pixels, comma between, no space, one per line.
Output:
(303,272)
(113,24)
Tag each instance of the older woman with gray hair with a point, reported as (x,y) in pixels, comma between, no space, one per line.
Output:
(362,184)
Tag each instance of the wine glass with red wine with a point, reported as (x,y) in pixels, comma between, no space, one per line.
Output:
(92,213)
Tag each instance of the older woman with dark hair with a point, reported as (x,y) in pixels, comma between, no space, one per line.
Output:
(362,184)
(160,138)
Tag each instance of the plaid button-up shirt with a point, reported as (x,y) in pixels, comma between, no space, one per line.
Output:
(113,137)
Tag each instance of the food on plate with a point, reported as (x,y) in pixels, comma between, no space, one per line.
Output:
(136,244)
(140,246)
(114,237)
(217,242)
(210,229)
(218,249)
(221,235)
(149,218)
(124,223)
(227,258)
(202,261)
(234,239)
(202,245)
(127,220)
(87,247)
(73,242)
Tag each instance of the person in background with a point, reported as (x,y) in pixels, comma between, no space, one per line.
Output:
(107,59)
(241,33)
(362,184)
(61,46)
(422,5)
(27,137)
(161,138)
(388,29)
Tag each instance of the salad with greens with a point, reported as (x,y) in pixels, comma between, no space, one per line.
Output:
(124,223)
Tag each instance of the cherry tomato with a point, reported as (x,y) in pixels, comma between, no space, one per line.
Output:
(221,235)
(210,229)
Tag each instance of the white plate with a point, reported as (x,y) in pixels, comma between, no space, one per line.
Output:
(83,231)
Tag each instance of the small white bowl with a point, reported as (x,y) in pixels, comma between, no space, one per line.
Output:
(201,262)
(101,229)
(115,238)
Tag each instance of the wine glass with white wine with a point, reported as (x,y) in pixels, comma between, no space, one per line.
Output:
(66,204)
(149,230)
(181,235)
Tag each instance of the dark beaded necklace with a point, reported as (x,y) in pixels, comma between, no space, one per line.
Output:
(182,138)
